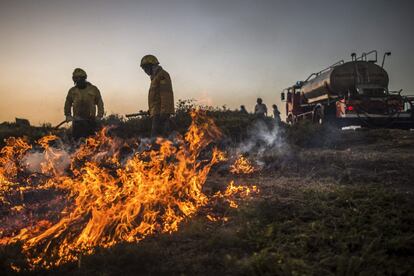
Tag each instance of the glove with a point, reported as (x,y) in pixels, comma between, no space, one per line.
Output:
(69,118)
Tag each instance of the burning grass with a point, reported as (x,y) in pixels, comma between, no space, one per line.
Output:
(242,165)
(111,196)
(295,226)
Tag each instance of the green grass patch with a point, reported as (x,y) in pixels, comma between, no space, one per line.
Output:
(340,230)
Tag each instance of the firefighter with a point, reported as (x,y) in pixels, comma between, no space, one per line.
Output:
(260,110)
(160,96)
(83,98)
(276,113)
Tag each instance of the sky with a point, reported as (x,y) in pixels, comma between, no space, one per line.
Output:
(217,52)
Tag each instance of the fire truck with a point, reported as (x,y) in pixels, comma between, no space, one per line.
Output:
(349,93)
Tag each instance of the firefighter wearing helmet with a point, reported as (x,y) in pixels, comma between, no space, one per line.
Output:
(84,98)
(160,95)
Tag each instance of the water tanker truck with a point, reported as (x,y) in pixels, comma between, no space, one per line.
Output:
(349,93)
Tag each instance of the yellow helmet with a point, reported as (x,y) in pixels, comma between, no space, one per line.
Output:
(78,72)
(149,59)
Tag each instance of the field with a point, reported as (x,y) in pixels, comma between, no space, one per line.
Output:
(330,202)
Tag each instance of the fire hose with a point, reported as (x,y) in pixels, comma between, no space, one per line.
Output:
(60,124)
(140,113)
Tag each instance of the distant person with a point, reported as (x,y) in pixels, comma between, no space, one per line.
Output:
(243,110)
(83,98)
(260,110)
(160,96)
(276,113)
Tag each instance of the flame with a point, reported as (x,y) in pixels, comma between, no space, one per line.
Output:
(236,191)
(242,166)
(112,196)
(10,155)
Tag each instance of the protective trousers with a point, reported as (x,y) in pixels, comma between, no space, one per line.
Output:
(83,128)
(161,125)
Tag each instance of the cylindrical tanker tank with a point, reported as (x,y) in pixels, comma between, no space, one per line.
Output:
(344,78)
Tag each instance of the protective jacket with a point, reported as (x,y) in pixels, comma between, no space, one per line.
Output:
(160,96)
(84,102)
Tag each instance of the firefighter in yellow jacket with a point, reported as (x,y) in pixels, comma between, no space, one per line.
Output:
(160,96)
(83,98)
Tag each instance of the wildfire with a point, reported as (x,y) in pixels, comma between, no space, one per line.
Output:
(109,194)
(242,166)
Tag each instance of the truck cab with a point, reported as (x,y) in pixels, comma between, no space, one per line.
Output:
(293,101)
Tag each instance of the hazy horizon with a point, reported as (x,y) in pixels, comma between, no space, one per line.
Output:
(217,52)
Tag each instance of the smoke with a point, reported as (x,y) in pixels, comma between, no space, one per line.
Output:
(52,160)
(263,136)
(264,139)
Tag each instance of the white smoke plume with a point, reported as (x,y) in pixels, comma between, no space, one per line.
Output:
(264,139)
(52,160)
